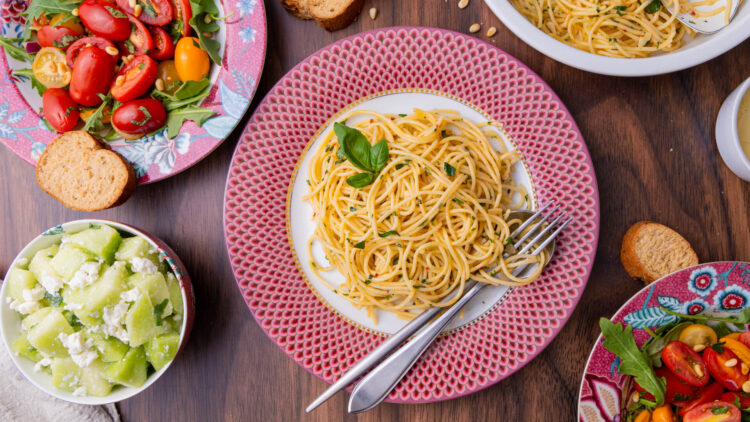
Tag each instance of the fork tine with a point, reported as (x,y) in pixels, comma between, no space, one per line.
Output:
(552,236)
(541,234)
(529,220)
(538,226)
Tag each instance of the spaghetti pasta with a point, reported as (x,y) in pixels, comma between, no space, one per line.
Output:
(435,216)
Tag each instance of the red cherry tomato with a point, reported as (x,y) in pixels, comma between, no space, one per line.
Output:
(72,52)
(705,394)
(730,377)
(716,411)
(92,75)
(153,12)
(139,117)
(59,109)
(105,19)
(182,14)
(56,36)
(744,338)
(678,392)
(735,397)
(134,79)
(139,38)
(685,363)
(163,44)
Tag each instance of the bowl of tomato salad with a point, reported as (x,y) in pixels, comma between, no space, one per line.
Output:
(119,69)
(679,350)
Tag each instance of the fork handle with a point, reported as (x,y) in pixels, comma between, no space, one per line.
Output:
(376,385)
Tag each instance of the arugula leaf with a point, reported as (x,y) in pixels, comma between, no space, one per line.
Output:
(190,93)
(742,318)
(722,329)
(632,361)
(158,310)
(354,146)
(654,347)
(13,50)
(360,180)
(209,45)
(34,81)
(93,124)
(388,233)
(653,7)
(38,8)
(190,89)
(176,118)
(379,155)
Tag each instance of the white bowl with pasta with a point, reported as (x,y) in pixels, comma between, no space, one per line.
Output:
(696,49)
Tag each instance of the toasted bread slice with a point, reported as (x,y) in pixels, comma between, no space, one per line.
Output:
(84,174)
(335,14)
(651,250)
(298,8)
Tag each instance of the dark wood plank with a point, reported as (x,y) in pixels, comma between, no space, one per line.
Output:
(652,143)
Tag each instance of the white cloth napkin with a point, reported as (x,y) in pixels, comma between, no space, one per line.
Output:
(20,400)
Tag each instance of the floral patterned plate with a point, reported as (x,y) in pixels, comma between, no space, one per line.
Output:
(718,288)
(243,36)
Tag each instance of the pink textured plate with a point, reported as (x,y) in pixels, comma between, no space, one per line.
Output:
(718,288)
(243,36)
(315,333)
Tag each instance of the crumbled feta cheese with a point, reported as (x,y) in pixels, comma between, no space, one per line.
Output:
(65,239)
(79,392)
(79,350)
(32,295)
(177,317)
(143,265)
(130,296)
(8,299)
(51,283)
(14,304)
(27,307)
(115,314)
(116,332)
(85,358)
(42,363)
(72,307)
(86,274)
(22,262)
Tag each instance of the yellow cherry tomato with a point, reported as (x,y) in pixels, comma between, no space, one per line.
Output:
(663,413)
(698,334)
(105,118)
(644,416)
(50,68)
(67,21)
(191,61)
(739,349)
(167,72)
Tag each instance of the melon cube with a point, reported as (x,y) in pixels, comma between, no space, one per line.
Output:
(22,347)
(155,286)
(103,292)
(175,294)
(140,321)
(41,263)
(160,350)
(93,380)
(110,349)
(66,375)
(69,259)
(132,247)
(19,280)
(34,318)
(101,240)
(130,371)
(44,335)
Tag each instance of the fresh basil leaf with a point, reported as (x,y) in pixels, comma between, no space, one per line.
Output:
(116,13)
(176,118)
(653,7)
(360,245)
(355,146)
(146,117)
(379,155)
(449,169)
(360,180)
(388,233)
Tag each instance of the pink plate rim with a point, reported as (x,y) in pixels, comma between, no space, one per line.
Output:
(239,263)
(154,157)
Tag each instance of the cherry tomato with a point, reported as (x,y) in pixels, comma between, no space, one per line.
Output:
(182,14)
(72,52)
(67,21)
(716,411)
(134,79)
(744,338)
(56,36)
(678,392)
(663,413)
(153,12)
(167,72)
(92,75)
(163,44)
(105,19)
(644,416)
(735,397)
(59,109)
(698,334)
(705,394)
(139,38)
(50,68)
(191,61)
(685,363)
(41,20)
(139,117)
(105,117)
(730,377)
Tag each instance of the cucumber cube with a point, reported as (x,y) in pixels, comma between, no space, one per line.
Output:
(22,347)
(175,294)
(130,371)
(93,380)
(19,280)
(100,240)
(132,247)
(44,335)
(66,375)
(69,259)
(155,286)
(104,292)
(35,318)
(162,349)
(140,321)
(110,349)
(41,263)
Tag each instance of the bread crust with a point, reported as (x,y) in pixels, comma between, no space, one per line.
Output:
(635,265)
(341,19)
(298,8)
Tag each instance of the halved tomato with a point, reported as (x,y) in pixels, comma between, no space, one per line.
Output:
(134,79)
(152,12)
(105,19)
(72,52)
(57,36)
(140,38)
(92,75)
(744,338)
(50,68)
(163,44)
(717,411)
(678,392)
(183,12)
(730,377)
(705,394)
(685,363)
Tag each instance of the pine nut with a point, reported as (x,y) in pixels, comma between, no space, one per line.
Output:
(746,387)
(699,347)
(75,12)
(698,370)
(120,80)
(492,31)
(137,10)
(132,3)
(744,369)
(463,3)
(730,363)
(635,396)
(207,19)
(474,28)
(159,84)
(373,13)
(111,50)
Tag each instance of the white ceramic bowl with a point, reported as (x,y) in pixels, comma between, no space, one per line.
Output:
(696,51)
(10,321)
(727,138)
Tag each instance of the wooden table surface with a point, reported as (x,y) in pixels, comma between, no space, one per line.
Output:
(652,144)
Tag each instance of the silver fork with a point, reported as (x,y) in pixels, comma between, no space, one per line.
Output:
(364,397)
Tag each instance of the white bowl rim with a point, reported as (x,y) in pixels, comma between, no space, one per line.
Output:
(742,90)
(125,392)
(683,58)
